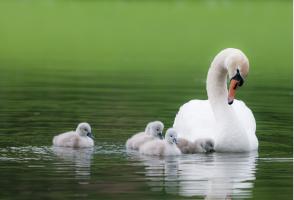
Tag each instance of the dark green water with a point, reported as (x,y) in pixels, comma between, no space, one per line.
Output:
(121,64)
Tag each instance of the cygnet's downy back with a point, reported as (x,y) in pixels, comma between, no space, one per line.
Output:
(198,146)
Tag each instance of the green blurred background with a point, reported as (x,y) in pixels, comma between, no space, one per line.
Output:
(145,34)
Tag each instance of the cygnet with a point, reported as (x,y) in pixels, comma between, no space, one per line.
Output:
(153,131)
(80,138)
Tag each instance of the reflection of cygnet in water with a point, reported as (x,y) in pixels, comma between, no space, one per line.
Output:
(166,147)
(153,131)
(198,146)
(80,157)
(80,138)
(161,173)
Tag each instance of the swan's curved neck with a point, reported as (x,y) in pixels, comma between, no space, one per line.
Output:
(226,61)
(230,61)
(216,87)
(229,129)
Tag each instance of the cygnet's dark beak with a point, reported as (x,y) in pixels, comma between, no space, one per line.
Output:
(89,134)
(209,147)
(211,150)
(160,135)
(175,140)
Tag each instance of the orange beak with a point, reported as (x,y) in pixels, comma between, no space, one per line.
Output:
(232,91)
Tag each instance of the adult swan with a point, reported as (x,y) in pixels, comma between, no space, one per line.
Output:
(230,123)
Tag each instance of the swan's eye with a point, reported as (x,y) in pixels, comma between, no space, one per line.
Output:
(239,79)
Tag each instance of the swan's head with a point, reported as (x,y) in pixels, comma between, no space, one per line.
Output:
(238,68)
(84,129)
(155,129)
(171,136)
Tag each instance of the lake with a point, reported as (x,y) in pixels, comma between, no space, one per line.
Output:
(119,65)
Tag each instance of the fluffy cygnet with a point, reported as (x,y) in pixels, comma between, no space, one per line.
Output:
(80,138)
(166,147)
(153,131)
(198,146)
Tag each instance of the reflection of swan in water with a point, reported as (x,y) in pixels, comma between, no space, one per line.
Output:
(220,176)
(81,157)
(212,176)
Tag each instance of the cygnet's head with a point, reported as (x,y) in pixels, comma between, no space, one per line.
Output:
(171,136)
(238,68)
(207,145)
(84,129)
(155,129)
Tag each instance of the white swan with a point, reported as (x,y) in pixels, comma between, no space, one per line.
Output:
(166,147)
(80,138)
(152,131)
(231,125)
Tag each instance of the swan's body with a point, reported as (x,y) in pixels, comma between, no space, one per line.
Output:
(153,131)
(198,146)
(166,147)
(232,127)
(80,138)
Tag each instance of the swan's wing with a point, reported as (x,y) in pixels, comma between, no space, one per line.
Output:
(247,120)
(245,116)
(195,120)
